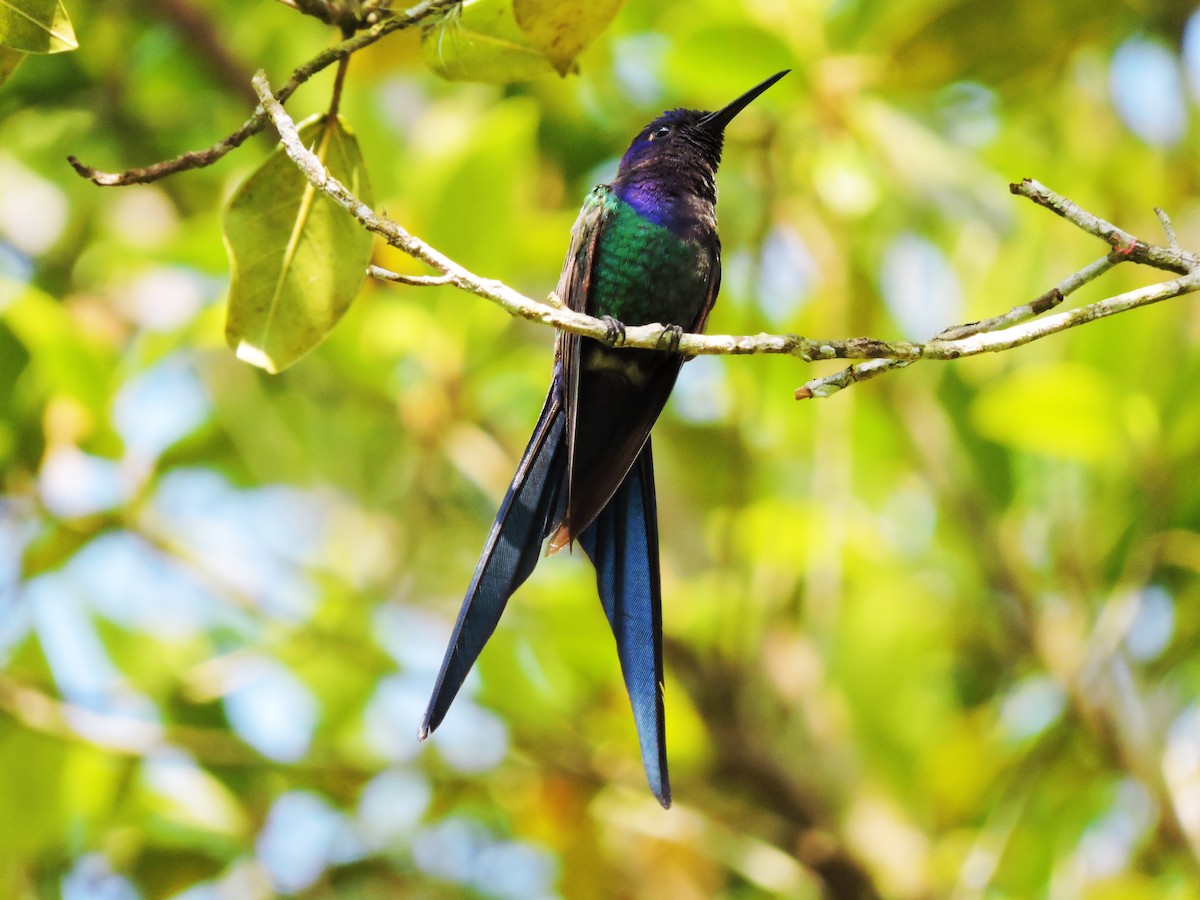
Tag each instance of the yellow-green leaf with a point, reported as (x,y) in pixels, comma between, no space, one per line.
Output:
(36,26)
(9,60)
(560,29)
(297,258)
(1061,410)
(65,359)
(481,41)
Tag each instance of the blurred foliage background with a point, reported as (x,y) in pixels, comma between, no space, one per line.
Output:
(932,637)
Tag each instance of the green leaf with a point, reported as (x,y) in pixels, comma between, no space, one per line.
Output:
(9,60)
(1060,410)
(33,808)
(481,41)
(560,29)
(65,359)
(297,258)
(35,26)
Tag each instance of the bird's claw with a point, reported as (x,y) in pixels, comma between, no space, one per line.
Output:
(614,331)
(672,334)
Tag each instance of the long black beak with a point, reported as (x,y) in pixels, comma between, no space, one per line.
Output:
(717,121)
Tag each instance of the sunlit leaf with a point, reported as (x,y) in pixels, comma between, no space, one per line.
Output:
(1065,410)
(64,358)
(297,258)
(9,60)
(481,41)
(35,26)
(560,29)
(32,807)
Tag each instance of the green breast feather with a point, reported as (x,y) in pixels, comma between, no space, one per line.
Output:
(644,273)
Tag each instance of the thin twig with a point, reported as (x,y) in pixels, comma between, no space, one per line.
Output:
(196,159)
(1168,228)
(1170,259)
(339,81)
(416,280)
(829,385)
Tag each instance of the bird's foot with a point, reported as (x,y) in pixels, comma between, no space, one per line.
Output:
(614,331)
(672,334)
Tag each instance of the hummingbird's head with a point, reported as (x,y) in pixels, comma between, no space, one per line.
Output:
(687,138)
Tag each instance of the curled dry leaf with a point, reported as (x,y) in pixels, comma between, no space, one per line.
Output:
(561,29)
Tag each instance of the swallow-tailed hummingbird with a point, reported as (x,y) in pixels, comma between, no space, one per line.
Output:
(644,249)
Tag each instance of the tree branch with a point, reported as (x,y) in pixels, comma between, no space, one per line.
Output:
(829,385)
(415,280)
(197,159)
(1011,329)
(1170,259)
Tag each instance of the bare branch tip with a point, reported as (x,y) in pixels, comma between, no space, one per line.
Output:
(1168,228)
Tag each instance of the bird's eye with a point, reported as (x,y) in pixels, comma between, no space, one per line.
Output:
(661,133)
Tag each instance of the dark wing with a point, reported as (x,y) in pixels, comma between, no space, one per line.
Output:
(510,554)
(622,543)
(574,286)
(712,246)
(613,397)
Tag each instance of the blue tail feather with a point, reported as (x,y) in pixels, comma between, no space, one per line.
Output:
(508,557)
(623,545)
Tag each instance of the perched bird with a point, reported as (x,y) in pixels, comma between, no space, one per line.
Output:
(644,249)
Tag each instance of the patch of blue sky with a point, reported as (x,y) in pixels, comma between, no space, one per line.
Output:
(471,739)
(1032,706)
(1190,48)
(137,586)
(259,541)
(73,483)
(299,840)
(787,275)
(919,286)
(415,639)
(391,807)
(702,394)
(1146,84)
(91,878)
(1153,626)
(156,408)
(271,709)
(393,713)
(463,851)
(78,659)
(15,268)
(17,528)
(638,62)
